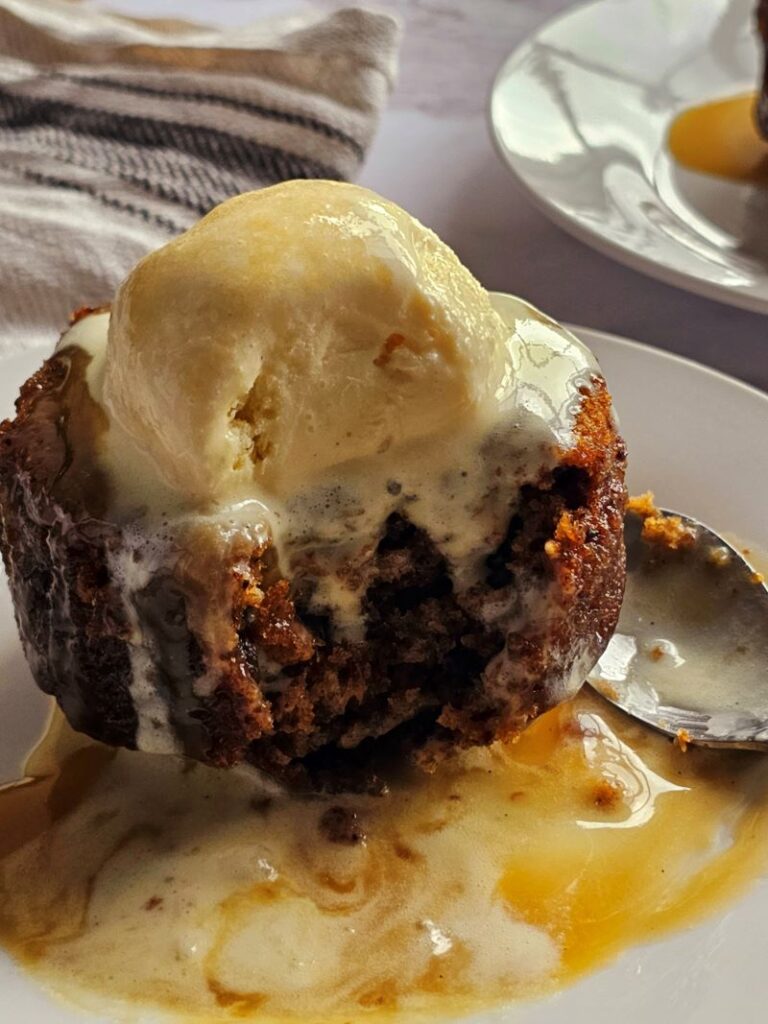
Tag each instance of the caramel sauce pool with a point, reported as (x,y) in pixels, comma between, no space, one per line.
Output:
(721,138)
(148,884)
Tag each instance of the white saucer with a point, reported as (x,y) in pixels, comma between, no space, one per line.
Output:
(691,435)
(580,113)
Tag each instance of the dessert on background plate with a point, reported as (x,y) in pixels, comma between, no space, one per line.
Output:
(303,497)
(599,116)
(308,499)
(728,136)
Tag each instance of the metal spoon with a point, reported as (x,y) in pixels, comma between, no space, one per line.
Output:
(690,653)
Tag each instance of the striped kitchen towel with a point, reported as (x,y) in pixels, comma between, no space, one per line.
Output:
(116,134)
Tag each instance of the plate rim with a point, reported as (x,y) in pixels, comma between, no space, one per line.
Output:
(684,361)
(606,247)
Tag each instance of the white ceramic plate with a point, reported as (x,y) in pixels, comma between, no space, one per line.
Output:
(580,113)
(692,437)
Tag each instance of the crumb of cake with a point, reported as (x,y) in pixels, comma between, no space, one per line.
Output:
(666,531)
(669,532)
(606,795)
(756,578)
(682,740)
(154,903)
(643,505)
(656,653)
(392,342)
(340,825)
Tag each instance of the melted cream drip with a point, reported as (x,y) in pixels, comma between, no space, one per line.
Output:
(136,884)
(132,570)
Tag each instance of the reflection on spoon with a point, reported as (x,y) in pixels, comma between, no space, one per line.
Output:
(690,653)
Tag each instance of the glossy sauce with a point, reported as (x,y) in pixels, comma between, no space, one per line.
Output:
(148,884)
(721,138)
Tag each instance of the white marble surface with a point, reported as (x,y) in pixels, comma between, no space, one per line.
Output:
(433,155)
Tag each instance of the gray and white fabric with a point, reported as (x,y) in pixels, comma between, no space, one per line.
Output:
(116,134)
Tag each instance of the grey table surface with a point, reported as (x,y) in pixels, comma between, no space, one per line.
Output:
(434,156)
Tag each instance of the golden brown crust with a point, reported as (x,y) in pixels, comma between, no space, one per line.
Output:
(70,618)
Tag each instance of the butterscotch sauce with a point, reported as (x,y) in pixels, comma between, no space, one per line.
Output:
(721,138)
(145,883)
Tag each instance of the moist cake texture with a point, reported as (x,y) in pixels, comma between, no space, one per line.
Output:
(318,614)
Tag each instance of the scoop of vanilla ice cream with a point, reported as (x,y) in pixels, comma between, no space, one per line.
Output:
(293,329)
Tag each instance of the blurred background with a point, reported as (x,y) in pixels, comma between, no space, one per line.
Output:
(433,154)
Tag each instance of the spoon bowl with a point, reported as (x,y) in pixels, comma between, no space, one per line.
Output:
(690,653)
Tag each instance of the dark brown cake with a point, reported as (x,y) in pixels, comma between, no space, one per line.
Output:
(246,672)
